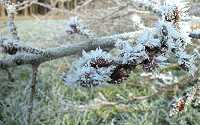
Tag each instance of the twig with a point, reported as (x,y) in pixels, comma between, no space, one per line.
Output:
(43,55)
(33,92)
(11,9)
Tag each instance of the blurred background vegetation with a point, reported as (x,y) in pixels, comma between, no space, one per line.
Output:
(140,100)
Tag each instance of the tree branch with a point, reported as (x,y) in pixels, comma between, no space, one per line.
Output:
(33,92)
(59,52)
(34,55)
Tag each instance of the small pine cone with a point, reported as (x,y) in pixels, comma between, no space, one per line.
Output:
(149,65)
(180,105)
(99,63)
(121,73)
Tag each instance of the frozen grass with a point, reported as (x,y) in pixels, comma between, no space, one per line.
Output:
(57,104)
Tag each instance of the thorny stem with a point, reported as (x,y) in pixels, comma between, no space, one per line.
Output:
(33,92)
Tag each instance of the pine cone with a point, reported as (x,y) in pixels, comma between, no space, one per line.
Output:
(121,73)
(99,63)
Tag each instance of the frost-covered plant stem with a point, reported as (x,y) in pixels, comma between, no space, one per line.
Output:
(33,92)
(11,10)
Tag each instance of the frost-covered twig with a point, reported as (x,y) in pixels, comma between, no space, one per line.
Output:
(32,93)
(195,34)
(74,25)
(11,9)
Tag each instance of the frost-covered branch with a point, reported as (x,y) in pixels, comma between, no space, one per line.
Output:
(32,55)
(195,34)
(32,93)
(151,51)
(58,52)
